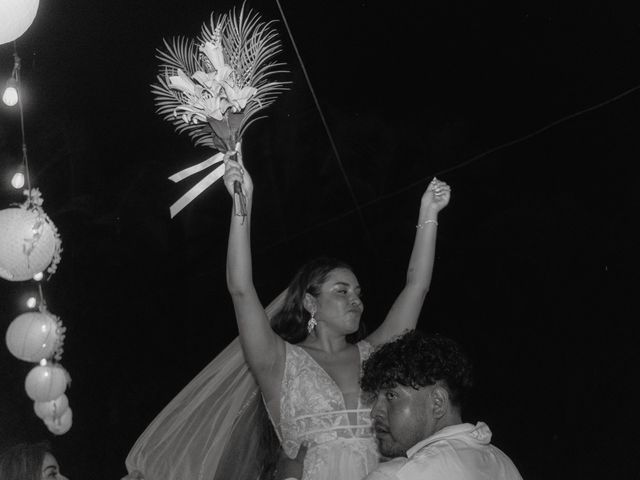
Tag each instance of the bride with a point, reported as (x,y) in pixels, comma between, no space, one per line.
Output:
(306,366)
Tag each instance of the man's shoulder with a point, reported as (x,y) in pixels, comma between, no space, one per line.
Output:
(447,459)
(427,462)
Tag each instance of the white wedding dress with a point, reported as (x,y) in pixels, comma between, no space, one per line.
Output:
(211,429)
(336,425)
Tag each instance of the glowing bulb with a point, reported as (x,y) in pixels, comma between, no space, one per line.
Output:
(17,181)
(31,302)
(10,96)
(38,276)
(43,362)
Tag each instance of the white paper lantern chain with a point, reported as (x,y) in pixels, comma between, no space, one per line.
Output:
(30,245)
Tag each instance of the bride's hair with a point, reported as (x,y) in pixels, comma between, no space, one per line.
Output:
(291,321)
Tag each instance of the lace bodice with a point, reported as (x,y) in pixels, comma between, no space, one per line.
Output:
(314,409)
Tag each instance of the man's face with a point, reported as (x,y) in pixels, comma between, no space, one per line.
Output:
(402,416)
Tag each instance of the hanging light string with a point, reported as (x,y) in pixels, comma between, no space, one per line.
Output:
(43,302)
(528,135)
(357,207)
(465,163)
(25,160)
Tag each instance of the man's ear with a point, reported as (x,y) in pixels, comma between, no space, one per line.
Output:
(309,303)
(440,401)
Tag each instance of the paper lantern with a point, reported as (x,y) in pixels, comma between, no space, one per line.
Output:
(15,17)
(29,243)
(53,409)
(33,336)
(46,382)
(61,425)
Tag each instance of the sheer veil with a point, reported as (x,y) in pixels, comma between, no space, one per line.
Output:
(211,429)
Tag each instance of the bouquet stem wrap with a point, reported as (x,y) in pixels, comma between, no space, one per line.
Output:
(227,131)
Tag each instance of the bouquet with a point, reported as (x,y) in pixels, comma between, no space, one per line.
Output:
(213,87)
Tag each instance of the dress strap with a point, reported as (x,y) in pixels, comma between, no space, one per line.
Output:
(333,412)
(335,428)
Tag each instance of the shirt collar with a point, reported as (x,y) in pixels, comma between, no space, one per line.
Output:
(479,432)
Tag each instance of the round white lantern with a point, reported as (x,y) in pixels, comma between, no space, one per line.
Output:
(28,243)
(33,336)
(60,425)
(46,382)
(15,17)
(53,409)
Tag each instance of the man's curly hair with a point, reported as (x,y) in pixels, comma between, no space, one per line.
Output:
(418,360)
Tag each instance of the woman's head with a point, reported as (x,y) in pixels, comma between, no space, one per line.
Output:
(29,461)
(305,296)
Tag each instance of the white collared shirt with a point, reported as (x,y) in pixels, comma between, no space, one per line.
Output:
(458,452)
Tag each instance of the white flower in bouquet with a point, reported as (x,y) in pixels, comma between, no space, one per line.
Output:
(210,94)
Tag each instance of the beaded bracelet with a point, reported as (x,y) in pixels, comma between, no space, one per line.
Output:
(421,225)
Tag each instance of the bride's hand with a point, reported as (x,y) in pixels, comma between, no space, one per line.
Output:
(437,196)
(235,170)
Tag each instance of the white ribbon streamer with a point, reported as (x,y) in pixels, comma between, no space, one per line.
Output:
(201,186)
(187,172)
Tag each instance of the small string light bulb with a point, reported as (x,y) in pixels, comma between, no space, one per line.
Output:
(10,95)
(17,181)
(38,276)
(31,302)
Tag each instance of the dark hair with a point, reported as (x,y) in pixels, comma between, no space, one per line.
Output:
(291,321)
(23,461)
(269,449)
(418,360)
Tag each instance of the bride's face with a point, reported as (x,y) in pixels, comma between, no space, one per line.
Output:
(338,305)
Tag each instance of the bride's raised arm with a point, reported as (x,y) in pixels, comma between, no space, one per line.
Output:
(263,348)
(406,309)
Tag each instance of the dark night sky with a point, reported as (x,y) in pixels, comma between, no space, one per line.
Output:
(536,263)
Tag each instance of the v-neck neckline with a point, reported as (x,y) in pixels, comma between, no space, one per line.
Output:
(331,379)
